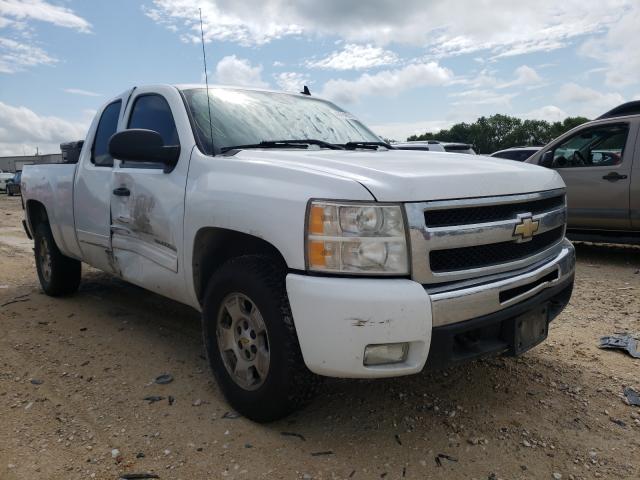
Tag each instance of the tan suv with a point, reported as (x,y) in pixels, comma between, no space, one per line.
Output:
(596,160)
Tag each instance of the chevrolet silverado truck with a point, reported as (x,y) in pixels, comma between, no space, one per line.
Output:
(599,162)
(310,247)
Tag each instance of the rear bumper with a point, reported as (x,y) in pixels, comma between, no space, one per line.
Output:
(336,318)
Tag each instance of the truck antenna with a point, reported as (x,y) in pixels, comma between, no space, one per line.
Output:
(206,80)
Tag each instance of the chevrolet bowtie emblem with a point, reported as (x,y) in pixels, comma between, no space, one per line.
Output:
(526,228)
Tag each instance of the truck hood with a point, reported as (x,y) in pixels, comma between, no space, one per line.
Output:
(406,176)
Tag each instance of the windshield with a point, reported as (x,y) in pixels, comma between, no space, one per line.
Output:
(243,117)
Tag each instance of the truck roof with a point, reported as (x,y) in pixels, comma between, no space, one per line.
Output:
(189,86)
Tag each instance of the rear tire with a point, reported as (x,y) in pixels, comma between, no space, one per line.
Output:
(251,341)
(59,275)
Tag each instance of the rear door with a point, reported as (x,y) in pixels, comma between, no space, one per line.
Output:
(147,203)
(595,163)
(92,192)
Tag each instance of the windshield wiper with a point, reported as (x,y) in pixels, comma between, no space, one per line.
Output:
(369,145)
(303,143)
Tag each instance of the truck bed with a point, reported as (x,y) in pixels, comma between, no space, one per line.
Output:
(51,185)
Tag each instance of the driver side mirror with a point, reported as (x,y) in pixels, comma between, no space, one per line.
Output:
(140,145)
(547,159)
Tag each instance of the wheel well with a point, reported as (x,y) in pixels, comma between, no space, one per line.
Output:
(36,214)
(214,246)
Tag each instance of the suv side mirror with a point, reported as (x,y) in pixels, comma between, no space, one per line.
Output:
(547,159)
(142,145)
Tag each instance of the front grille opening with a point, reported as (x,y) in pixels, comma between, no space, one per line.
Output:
(490,213)
(507,295)
(465,258)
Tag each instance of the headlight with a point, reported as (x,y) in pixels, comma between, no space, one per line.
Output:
(356,238)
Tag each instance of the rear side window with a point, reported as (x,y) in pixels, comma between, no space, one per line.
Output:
(107,126)
(152,112)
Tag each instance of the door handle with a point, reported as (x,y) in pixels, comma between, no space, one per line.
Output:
(614,177)
(122,192)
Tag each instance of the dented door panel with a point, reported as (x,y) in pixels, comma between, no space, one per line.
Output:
(141,221)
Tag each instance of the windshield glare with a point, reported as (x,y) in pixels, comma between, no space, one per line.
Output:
(245,117)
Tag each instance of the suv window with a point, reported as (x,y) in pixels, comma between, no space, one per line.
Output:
(107,126)
(601,146)
(519,155)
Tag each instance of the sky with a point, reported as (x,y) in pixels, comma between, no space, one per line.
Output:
(401,67)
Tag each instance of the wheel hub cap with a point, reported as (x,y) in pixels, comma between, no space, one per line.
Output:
(45,260)
(243,341)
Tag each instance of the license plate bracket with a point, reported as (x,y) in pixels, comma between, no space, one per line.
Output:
(530,329)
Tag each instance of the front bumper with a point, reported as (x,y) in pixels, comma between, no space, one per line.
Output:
(336,318)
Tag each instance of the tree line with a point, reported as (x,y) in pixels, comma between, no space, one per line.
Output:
(497,132)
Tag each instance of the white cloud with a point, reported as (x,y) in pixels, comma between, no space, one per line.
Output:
(550,113)
(16,56)
(232,70)
(43,11)
(85,93)
(355,57)
(483,97)
(22,130)
(248,23)
(402,130)
(512,28)
(292,81)
(18,50)
(587,101)
(524,75)
(618,50)
(387,82)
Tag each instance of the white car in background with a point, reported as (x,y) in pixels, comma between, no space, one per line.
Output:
(4,177)
(435,146)
(516,153)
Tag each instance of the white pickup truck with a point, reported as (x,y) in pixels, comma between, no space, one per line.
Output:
(310,247)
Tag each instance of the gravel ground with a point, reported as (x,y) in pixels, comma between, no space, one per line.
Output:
(75,371)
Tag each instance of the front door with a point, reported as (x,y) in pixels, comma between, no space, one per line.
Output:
(147,205)
(595,163)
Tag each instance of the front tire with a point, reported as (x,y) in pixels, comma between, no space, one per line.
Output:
(251,341)
(58,274)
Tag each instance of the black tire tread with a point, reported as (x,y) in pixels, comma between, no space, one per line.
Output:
(304,384)
(65,272)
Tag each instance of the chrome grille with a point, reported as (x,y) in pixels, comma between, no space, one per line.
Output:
(448,217)
(463,239)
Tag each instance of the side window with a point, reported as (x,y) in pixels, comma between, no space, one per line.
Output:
(152,112)
(601,146)
(107,126)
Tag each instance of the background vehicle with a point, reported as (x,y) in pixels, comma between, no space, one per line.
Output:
(4,177)
(334,255)
(599,162)
(13,185)
(435,146)
(516,153)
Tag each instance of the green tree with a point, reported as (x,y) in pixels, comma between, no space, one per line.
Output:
(489,134)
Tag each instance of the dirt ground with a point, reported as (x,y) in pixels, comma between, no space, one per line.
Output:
(75,371)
